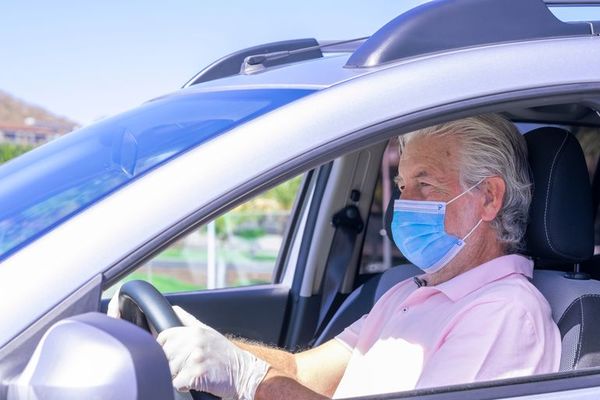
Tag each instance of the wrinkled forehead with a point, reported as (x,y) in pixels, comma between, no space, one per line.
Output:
(443,149)
(437,156)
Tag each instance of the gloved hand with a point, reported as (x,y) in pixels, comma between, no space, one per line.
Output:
(202,359)
(113,305)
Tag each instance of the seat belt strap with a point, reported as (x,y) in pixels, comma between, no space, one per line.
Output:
(596,188)
(348,225)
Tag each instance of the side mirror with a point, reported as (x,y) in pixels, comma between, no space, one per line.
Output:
(92,356)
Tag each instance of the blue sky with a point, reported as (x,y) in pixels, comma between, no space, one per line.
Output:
(88,59)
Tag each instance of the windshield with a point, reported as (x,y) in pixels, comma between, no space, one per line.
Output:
(48,185)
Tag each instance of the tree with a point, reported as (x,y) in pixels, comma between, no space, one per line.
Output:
(9,151)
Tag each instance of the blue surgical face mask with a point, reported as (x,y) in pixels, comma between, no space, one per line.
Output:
(418,231)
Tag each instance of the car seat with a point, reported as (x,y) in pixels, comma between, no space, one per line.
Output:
(559,235)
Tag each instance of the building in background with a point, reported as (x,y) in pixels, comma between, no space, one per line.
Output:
(24,124)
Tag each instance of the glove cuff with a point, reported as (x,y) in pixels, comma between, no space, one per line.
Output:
(252,377)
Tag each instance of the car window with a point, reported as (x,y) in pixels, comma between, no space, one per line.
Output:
(379,253)
(239,248)
(49,184)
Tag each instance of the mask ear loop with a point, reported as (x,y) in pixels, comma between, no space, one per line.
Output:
(480,220)
(466,191)
(472,230)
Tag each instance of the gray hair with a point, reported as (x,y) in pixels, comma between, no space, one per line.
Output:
(490,145)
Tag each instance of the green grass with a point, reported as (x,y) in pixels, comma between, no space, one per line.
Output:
(236,257)
(250,282)
(167,284)
(164,284)
(264,256)
(251,234)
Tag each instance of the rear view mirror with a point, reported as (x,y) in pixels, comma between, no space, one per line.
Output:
(92,356)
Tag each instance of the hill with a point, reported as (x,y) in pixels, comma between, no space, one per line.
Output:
(14,111)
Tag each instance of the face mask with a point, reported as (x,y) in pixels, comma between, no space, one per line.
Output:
(418,231)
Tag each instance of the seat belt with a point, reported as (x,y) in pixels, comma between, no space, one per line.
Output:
(596,188)
(348,225)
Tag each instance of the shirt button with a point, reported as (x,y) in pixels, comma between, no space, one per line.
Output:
(405,309)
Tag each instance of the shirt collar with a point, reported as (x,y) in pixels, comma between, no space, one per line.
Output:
(475,278)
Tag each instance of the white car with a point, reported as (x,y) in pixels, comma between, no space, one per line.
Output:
(83,212)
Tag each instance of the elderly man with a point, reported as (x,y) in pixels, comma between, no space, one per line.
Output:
(472,316)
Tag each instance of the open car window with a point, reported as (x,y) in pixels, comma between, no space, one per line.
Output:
(239,248)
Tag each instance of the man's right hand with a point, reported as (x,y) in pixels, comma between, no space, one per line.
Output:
(202,359)
(113,305)
(320,368)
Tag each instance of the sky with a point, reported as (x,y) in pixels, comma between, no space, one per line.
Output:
(89,59)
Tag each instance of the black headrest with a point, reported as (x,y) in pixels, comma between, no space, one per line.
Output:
(561,226)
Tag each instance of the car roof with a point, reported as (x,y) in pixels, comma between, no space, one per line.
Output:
(320,64)
(425,30)
(317,74)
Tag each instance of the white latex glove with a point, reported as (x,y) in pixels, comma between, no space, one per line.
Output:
(113,305)
(202,359)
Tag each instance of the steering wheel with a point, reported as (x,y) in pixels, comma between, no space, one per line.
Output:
(141,304)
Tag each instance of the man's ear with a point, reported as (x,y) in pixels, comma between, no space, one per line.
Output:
(493,189)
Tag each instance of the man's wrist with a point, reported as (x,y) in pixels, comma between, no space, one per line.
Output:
(252,377)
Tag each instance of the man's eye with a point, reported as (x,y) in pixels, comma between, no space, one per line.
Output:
(423,184)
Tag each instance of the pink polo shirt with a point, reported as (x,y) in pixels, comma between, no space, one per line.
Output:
(487,323)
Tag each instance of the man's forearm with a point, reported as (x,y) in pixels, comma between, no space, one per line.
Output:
(281,382)
(277,385)
(315,371)
(281,360)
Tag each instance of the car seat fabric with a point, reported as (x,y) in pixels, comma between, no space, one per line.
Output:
(560,230)
(575,306)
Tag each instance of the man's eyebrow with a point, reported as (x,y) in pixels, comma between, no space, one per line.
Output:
(421,174)
(425,174)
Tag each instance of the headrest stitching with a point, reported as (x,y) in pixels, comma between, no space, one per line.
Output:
(581,328)
(575,303)
(548,194)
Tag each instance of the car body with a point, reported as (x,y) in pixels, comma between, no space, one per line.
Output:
(328,118)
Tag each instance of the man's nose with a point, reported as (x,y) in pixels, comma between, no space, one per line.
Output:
(409,193)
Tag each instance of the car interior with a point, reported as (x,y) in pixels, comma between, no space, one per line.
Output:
(560,235)
(336,261)
(556,238)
